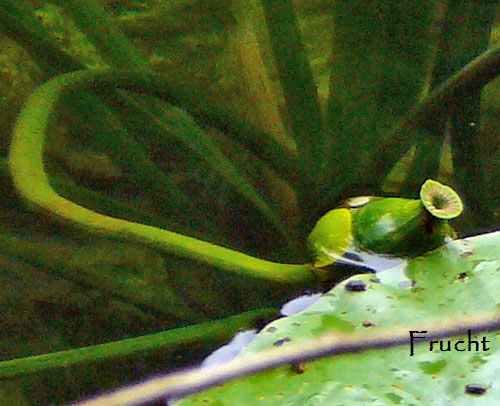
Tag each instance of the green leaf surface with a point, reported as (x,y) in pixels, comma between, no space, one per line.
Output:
(457,280)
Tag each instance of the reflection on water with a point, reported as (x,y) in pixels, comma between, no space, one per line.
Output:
(229,351)
(299,304)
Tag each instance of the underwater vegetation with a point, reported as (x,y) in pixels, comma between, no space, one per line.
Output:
(164,163)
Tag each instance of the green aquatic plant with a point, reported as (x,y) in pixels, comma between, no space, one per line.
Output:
(202,203)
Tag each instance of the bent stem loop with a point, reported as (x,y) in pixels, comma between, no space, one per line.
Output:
(32,182)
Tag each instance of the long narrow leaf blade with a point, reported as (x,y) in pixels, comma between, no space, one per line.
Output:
(299,89)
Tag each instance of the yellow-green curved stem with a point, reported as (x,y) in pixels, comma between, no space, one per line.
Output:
(32,183)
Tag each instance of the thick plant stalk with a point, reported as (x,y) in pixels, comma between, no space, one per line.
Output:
(32,183)
(166,341)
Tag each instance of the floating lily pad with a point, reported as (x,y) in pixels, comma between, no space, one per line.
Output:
(459,279)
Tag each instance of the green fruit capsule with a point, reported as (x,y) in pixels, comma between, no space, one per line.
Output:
(388,226)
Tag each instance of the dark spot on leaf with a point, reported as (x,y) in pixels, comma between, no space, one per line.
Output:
(466,254)
(295,324)
(279,343)
(475,389)
(394,398)
(355,286)
(298,368)
(271,329)
(463,276)
(368,323)
(375,279)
